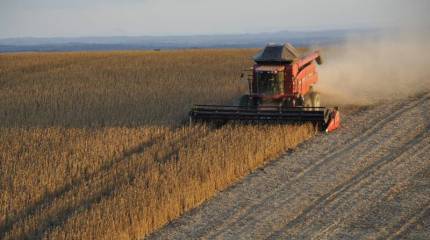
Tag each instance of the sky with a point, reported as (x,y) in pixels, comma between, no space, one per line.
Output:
(79,18)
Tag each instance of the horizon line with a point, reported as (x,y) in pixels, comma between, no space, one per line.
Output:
(196,34)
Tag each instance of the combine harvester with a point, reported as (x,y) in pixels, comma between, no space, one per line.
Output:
(280,90)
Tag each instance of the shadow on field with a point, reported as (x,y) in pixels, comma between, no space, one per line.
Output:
(49,198)
(103,183)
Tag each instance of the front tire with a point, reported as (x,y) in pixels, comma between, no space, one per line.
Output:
(307,101)
(246,101)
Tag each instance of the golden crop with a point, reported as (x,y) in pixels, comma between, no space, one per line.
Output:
(92,145)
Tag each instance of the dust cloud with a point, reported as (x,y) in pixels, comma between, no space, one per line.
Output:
(367,71)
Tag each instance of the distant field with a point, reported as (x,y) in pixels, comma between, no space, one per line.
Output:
(92,145)
(115,88)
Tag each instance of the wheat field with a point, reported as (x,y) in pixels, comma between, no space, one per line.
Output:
(93,145)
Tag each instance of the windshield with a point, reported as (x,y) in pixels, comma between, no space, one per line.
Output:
(270,83)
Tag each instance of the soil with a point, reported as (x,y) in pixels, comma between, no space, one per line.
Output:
(368,179)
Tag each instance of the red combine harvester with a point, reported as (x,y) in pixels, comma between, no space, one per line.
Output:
(281,89)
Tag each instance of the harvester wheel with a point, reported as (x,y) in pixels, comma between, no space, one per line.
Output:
(246,101)
(315,99)
(307,101)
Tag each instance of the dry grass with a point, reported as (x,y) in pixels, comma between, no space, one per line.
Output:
(115,88)
(91,145)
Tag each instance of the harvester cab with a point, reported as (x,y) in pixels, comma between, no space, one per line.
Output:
(281,89)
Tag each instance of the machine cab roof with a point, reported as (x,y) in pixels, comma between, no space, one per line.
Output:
(277,54)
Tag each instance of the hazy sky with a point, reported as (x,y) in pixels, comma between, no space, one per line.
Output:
(72,18)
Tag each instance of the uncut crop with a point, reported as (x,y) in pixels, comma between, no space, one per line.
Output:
(93,145)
